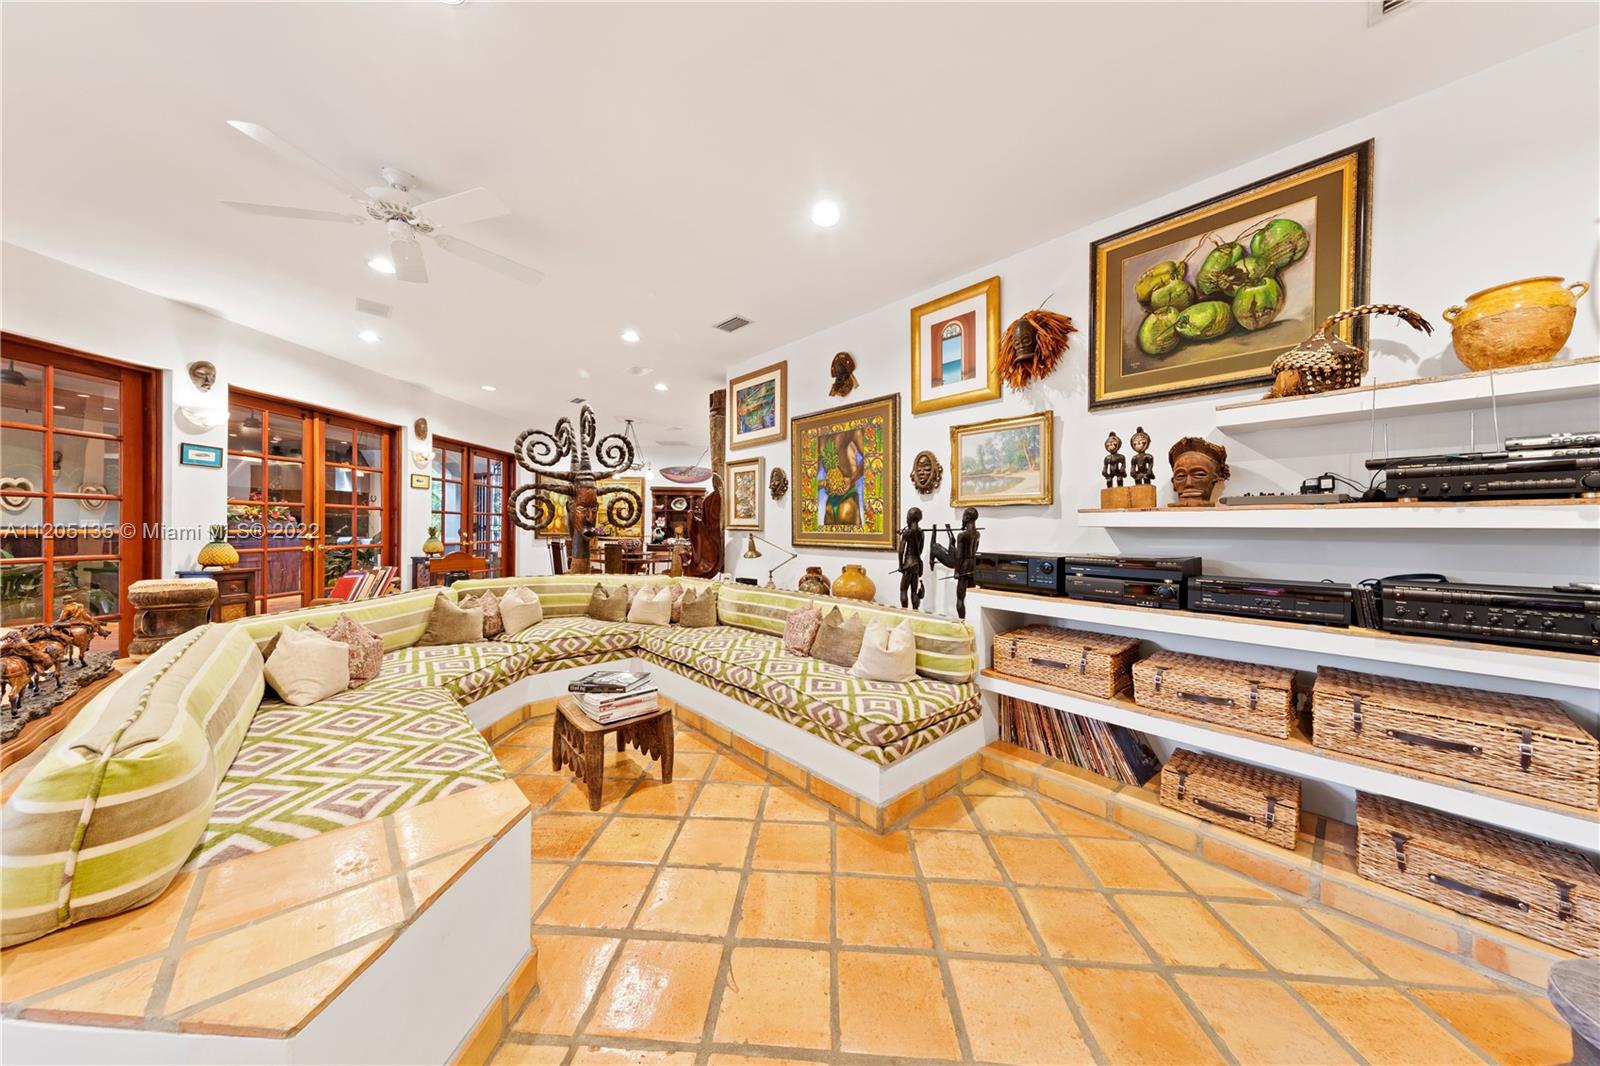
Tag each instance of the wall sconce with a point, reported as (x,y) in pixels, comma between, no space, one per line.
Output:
(198,417)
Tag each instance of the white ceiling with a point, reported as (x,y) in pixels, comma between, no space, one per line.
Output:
(660,159)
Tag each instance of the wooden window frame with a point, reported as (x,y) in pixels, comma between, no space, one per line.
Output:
(508,539)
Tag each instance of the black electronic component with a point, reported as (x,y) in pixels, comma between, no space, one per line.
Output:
(1313,602)
(1563,619)
(1137,581)
(1022,573)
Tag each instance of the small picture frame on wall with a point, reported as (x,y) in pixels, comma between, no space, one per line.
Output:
(955,348)
(421,481)
(745,498)
(758,406)
(199,455)
(1003,461)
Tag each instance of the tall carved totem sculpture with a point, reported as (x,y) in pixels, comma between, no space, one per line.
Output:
(540,453)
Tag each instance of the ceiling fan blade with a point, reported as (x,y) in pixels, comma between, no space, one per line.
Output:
(292,212)
(483,257)
(474,205)
(264,136)
(407,257)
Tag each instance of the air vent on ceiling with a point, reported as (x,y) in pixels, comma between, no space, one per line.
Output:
(578,399)
(373,307)
(728,325)
(673,443)
(1378,10)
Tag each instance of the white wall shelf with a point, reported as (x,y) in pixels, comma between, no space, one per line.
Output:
(1568,379)
(1543,516)
(1296,756)
(1564,669)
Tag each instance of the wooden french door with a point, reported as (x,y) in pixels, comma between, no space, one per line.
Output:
(471,502)
(310,495)
(78,485)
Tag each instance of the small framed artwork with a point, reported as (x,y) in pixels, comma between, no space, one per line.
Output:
(421,481)
(633,531)
(758,406)
(199,455)
(1003,461)
(845,466)
(955,348)
(744,494)
(1204,299)
(558,528)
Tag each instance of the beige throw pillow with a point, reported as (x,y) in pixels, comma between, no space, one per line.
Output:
(838,641)
(652,606)
(451,623)
(887,654)
(608,605)
(306,666)
(698,608)
(519,609)
(493,624)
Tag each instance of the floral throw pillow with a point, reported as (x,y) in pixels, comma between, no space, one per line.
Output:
(366,648)
(493,626)
(800,629)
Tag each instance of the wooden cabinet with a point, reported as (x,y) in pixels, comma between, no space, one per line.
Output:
(236,591)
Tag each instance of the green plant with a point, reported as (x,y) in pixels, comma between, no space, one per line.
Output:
(219,532)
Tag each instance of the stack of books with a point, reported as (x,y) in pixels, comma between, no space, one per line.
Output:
(1106,749)
(609,696)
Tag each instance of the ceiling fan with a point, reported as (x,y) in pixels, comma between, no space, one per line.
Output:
(395,206)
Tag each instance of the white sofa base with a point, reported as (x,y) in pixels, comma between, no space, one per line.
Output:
(861,777)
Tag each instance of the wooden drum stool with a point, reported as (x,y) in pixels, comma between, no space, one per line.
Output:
(578,741)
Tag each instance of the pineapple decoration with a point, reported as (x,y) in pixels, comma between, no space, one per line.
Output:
(219,554)
(433,546)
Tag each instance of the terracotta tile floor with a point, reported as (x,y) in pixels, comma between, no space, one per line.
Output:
(724,919)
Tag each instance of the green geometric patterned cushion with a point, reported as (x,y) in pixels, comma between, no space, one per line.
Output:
(400,620)
(568,594)
(564,636)
(466,671)
(362,754)
(946,647)
(104,821)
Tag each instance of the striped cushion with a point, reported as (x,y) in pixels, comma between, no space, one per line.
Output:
(566,595)
(399,620)
(946,648)
(107,817)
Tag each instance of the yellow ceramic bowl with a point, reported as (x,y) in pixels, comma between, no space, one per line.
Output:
(1515,324)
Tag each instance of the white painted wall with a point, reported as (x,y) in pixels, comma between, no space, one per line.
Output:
(49,300)
(1485,180)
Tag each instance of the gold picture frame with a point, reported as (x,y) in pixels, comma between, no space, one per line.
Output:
(955,348)
(743,499)
(635,531)
(859,507)
(1304,235)
(1012,461)
(758,406)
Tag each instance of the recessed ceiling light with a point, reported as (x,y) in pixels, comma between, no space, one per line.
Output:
(661,386)
(381,265)
(452,3)
(582,373)
(639,371)
(83,395)
(61,407)
(631,336)
(487,388)
(825,213)
(369,335)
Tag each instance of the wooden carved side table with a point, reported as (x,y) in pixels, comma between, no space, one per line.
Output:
(578,741)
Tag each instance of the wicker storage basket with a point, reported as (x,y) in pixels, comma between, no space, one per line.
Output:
(1518,743)
(1540,890)
(1255,802)
(1096,663)
(1255,698)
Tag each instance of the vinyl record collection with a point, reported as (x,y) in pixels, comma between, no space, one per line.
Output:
(1109,750)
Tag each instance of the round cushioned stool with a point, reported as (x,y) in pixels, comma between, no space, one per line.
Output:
(164,608)
(1575,990)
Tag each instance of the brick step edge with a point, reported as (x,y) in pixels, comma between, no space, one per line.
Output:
(1320,868)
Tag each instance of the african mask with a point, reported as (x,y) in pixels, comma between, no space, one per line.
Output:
(1199,468)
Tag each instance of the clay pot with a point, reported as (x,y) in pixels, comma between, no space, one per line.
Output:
(1515,324)
(854,584)
(814,581)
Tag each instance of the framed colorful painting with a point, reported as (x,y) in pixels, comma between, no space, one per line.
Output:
(955,348)
(845,463)
(1003,461)
(635,531)
(744,494)
(1206,298)
(758,406)
(559,527)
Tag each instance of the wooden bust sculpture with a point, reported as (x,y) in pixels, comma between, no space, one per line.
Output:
(1199,469)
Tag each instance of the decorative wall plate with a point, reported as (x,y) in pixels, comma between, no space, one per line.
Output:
(419,429)
(9,501)
(778,483)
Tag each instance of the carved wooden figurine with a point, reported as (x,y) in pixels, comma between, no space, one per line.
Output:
(912,539)
(1114,468)
(1199,469)
(960,554)
(1142,494)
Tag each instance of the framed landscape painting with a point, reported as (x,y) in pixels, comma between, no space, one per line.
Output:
(758,406)
(744,494)
(1003,461)
(1206,298)
(955,348)
(846,468)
